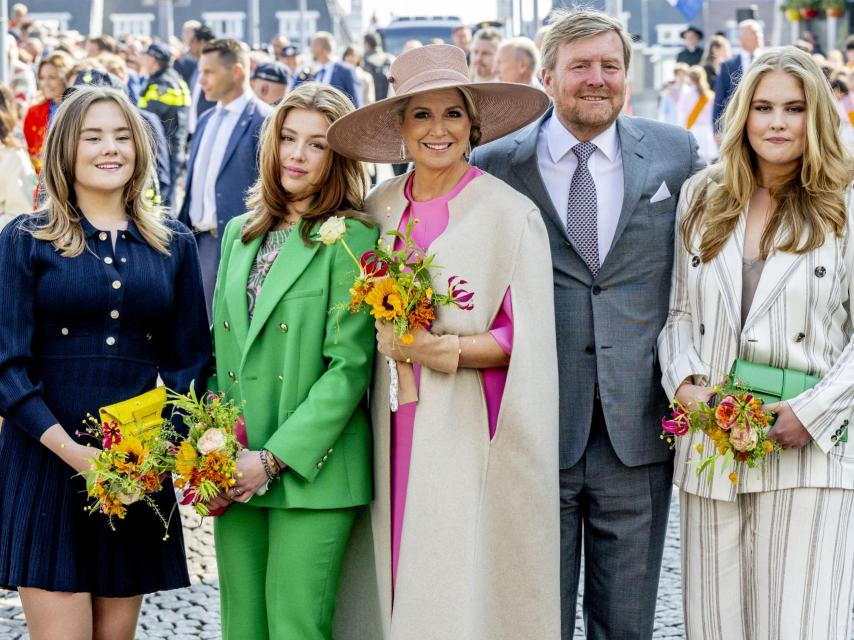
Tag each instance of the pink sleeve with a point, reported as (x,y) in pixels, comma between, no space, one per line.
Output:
(502,328)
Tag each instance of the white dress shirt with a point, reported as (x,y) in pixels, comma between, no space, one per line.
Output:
(195,96)
(557,165)
(203,214)
(325,72)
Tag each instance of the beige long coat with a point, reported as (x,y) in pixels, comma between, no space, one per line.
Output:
(479,557)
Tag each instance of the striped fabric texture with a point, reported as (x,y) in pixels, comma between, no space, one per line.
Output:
(800,319)
(769,565)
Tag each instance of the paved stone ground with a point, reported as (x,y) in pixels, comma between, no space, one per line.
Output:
(193,614)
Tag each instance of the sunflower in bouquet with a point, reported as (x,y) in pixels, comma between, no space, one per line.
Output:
(396,286)
(737,425)
(206,460)
(128,468)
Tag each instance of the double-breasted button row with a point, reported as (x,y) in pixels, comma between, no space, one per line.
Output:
(319,465)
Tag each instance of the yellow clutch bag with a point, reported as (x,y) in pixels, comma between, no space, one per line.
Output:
(140,416)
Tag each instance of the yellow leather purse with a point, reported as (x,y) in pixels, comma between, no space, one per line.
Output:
(140,416)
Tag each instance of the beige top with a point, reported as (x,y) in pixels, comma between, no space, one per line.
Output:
(751,272)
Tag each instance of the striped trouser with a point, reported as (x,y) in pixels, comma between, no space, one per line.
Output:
(777,565)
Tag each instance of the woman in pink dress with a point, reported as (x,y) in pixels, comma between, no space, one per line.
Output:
(464,523)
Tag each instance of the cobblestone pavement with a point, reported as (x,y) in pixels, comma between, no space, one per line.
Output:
(193,614)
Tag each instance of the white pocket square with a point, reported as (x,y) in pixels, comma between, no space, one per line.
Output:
(663,193)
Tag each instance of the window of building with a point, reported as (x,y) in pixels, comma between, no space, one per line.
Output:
(225,24)
(668,34)
(57,20)
(132,24)
(289,24)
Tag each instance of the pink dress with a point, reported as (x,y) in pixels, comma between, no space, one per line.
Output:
(432,219)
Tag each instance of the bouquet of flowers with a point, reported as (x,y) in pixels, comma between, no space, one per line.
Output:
(397,286)
(205,462)
(127,469)
(737,425)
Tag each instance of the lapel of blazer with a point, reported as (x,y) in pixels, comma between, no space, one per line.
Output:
(777,270)
(524,162)
(635,169)
(293,259)
(237,134)
(392,205)
(240,263)
(727,267)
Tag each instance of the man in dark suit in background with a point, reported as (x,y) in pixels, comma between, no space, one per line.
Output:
(751,39)
(607,186)
(202,35)
(224,153)
(325,69)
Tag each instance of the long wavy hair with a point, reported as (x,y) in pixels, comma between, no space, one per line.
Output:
(810,204)
(341,188)
(62,227)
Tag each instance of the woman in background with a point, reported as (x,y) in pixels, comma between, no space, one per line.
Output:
(17,177)
(52,79)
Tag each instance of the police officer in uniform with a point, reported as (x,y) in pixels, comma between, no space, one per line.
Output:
(167,96)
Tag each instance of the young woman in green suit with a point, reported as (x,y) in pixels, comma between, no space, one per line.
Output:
(300,368)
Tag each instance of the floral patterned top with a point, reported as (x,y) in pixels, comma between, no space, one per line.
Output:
(267,253)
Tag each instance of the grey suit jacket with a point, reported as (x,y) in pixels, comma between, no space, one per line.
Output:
(607,327)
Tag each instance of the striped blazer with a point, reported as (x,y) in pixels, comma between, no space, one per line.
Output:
(800,319)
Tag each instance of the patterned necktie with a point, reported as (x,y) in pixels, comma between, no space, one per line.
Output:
(581,209)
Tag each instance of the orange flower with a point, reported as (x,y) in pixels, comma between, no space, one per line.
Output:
(357,295)
(422,315)
(186,459)
(407,339)
(386,300)
(768,446)
(132,454)
(733,478)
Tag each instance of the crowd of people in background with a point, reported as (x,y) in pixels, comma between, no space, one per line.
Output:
(164,79)
(176,203)
(704,77)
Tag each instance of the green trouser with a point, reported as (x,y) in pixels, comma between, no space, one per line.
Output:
(279,570)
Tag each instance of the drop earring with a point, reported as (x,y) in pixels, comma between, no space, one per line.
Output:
(402,151)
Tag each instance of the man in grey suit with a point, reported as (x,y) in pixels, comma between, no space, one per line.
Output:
(607,186)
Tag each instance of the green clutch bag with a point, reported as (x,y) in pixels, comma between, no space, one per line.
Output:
(771,384)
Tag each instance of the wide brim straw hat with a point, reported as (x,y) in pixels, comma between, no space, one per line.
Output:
(372,133)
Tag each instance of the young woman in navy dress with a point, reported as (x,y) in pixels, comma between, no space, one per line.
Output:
(101,296)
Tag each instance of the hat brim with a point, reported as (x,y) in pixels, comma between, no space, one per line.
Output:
(372,133)
(692,29)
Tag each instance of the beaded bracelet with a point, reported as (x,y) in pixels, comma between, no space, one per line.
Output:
(264,454)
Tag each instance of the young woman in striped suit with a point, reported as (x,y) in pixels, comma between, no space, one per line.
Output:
(764,271)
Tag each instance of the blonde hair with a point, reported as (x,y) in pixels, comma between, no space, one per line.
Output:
(341,188)
(62,227)
(578,24)
(811,201)
(698,76)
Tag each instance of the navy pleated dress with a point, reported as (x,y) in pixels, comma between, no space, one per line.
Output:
(77,334)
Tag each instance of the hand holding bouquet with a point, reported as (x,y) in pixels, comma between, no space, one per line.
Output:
(397,287)
(127,469)
(737,425)
(206,460)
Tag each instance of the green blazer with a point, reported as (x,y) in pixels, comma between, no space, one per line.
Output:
(301,367)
